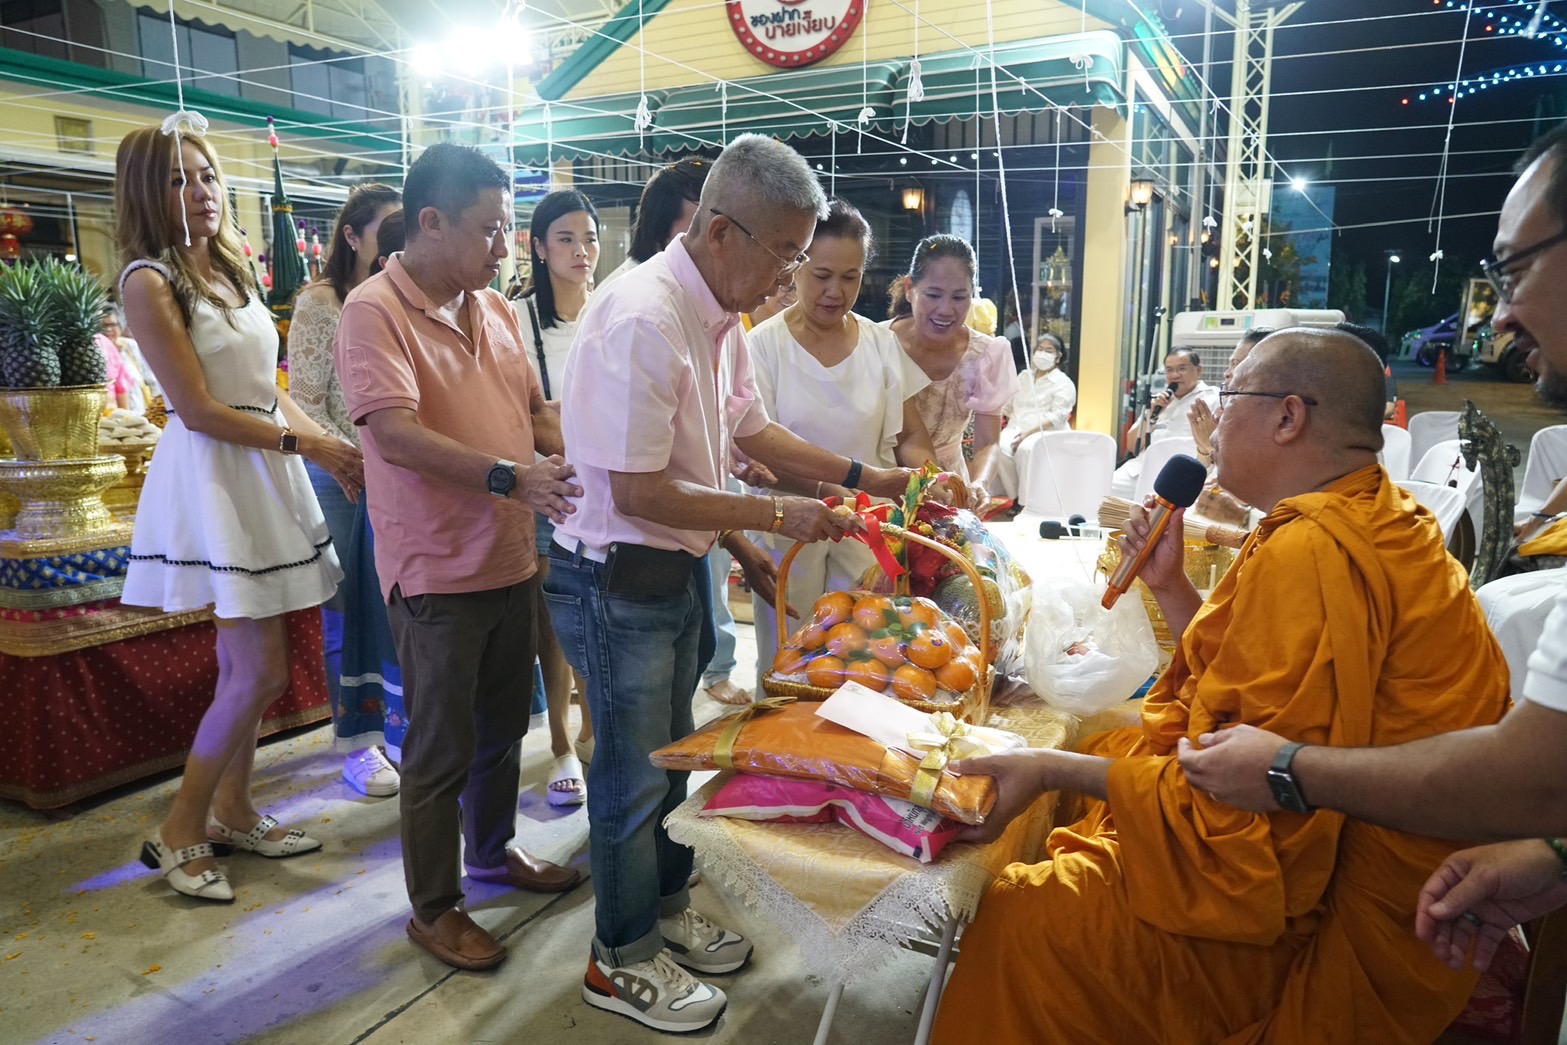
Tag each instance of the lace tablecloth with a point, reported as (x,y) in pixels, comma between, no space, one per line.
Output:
(841,895)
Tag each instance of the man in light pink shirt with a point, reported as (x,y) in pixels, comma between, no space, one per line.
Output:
(658,392)
(433,366)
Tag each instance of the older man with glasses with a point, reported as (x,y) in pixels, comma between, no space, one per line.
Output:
(659,388)
(1501,781)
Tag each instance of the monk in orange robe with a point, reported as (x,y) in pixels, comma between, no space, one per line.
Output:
(1164,916)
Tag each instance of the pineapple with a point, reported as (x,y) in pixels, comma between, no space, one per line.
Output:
(27,356)
(76,302)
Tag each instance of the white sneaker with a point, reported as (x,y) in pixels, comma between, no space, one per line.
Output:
(698,944)
(656,993)
(369,773)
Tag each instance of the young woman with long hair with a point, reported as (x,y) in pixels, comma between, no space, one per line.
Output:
(227,518)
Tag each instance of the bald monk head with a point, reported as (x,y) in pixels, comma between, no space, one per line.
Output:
(1307,411)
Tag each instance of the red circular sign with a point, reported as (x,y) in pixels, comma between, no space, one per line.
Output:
(792,33)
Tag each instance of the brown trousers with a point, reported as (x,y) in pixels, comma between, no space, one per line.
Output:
(467,663)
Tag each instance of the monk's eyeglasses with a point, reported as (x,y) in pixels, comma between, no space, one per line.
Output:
(1226,393)
(1503,281)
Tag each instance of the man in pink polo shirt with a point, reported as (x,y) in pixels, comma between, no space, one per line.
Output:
(433,366)
(658,391)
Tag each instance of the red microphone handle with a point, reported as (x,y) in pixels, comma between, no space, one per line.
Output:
(1127,571)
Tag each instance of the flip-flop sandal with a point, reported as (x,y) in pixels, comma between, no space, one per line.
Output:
(567,769)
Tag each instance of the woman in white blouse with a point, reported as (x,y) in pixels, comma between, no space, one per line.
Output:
(1044,401)
(365,714)
(564,241)
(842,382)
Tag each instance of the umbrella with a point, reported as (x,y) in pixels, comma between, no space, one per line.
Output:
(287,260)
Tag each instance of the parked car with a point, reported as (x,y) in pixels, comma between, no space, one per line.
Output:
(1501,353)
(1425,344)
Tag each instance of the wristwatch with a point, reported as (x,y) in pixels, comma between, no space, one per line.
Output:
(502,479)
(1281,781)
(288,442)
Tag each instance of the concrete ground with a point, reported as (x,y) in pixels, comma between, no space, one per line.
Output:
(94,947)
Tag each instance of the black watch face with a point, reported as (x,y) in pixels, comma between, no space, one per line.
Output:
(502,480)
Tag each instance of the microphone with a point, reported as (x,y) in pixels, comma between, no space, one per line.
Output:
(1178,485)
(1052,530)
(1173,388)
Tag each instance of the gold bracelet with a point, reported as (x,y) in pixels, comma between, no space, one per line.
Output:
(777,515)
(724,535)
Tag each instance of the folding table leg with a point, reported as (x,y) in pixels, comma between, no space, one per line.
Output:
(938,976)
(828,1013)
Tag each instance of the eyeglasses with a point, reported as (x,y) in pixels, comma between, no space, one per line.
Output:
(789,267)
(1502,281)
(1226,393)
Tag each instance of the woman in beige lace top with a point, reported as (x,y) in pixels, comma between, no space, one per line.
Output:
(971,374)
(360,712)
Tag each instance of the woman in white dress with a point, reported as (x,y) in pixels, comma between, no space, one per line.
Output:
(564,240)
(840,381)
(1044,401)
(227,518)
(971,374)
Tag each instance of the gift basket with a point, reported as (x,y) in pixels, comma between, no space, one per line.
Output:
(899,644)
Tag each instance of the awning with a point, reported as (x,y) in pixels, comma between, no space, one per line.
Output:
(784,105)
(582,128)
(1081,69)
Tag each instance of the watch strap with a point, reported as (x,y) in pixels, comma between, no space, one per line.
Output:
(1281,771)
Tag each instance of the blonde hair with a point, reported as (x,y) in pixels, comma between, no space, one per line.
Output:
(147,223)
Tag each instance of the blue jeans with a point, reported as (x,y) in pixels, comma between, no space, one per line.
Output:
(723,662)
(339,514)
(638,657)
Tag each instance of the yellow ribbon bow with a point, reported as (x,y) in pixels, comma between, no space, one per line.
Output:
(724,748)
(951,740)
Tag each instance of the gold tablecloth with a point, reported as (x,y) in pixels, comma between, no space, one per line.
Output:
(841,895)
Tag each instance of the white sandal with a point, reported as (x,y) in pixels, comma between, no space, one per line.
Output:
(208,885)
(256,841)
(584,749)
(567,769)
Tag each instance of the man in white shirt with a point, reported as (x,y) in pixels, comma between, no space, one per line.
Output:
(1169,415)
(658,390)
(1501,781)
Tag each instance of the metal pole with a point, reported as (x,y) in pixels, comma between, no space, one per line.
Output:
(1387,288)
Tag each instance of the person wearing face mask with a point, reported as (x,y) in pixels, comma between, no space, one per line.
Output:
(842,382)
(971,374)
(1044,401)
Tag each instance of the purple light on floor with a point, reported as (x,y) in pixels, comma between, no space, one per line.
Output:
(114,876)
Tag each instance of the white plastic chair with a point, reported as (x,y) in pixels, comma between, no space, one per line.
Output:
(1430,427)
(1395,455)
(1443,465)
(1445,502)
(1068,474)
(1546,466)
(1156,457)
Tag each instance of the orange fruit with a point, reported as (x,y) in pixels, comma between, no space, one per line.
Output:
(868,672)
(913,683)
(920,612)
(871,612)
(930,649)
(833,608)
(812,637)
(955,634)
(826,672)
(845,640)
(887,647)
(789,661)
(973,654)
(957,675)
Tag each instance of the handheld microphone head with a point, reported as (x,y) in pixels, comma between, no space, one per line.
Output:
(1180,481)
(1052,530)
(1076,520)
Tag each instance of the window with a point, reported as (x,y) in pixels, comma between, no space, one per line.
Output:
(34,26)
(73,134)
(328,82)
(209,56)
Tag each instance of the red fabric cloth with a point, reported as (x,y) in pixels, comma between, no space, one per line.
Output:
(84,722)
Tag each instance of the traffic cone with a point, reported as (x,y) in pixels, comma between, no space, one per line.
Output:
(1439,375)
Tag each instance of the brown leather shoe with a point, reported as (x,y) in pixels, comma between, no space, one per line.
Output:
(524,871)
(458,941)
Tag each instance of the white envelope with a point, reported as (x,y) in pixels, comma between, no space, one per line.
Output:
(889,722)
